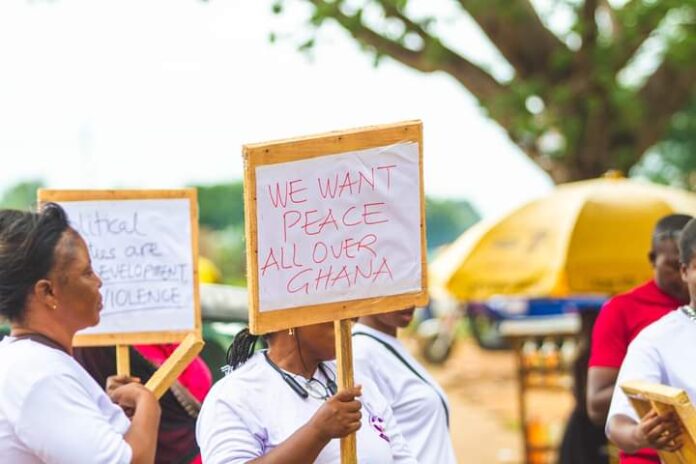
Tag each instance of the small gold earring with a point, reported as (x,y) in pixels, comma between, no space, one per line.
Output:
(55,306)
(291,332)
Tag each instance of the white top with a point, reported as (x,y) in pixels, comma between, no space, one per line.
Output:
(417,406)
(662,353)
(52,411)
(252,410)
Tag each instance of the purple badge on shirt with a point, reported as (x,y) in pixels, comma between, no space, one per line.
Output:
(377,424)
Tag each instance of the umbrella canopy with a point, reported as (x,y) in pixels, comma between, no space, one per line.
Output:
(588,237)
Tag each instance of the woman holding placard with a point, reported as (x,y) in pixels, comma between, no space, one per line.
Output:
(282,405)
(419,404)
(51,410)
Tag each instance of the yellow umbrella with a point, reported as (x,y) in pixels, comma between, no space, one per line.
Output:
(585,237)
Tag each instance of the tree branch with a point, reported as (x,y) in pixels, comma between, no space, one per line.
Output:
(434,56)
(516,30)
(392,11)
(644,18)
(668,90)
(583,62)
(589,24)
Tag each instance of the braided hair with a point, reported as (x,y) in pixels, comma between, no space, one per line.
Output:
(242,348)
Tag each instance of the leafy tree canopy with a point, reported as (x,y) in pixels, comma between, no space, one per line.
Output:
(580,86)
(221,205)
(673,161)
(21,196)
(447,219)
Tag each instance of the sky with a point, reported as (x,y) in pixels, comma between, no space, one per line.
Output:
(164,93)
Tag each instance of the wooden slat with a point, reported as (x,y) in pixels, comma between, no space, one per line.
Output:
(271,321)
(122,361)
(344,364)
(46,195)
(132,338)
(330,143)
(168,372)
(192,195)
(423,231)
(657,392)
(252,248)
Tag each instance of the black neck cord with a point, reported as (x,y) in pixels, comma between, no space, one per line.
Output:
(295,385)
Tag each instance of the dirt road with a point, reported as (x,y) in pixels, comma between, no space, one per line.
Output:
(482,390)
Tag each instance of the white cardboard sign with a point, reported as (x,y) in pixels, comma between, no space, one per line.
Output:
(339,227)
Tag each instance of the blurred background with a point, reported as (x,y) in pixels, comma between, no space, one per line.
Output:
(516,97)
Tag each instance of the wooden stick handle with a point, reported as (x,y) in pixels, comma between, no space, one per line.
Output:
(175,364)
(122,360)
(344,362)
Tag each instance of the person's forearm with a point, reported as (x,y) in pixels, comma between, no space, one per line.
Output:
(601,382)
(598,405)
(301,447)
(142,434)
(622,431)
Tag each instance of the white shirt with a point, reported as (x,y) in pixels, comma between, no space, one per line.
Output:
(662,353)
(417,406)
(52,411)
(252,410)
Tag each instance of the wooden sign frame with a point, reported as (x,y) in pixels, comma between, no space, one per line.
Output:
(663,399)
(132,338)
(311,147)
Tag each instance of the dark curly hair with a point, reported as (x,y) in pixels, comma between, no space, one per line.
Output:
(669,227)
(27,253)
(687,243)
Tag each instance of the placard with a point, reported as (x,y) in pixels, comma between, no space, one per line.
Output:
(143,246)
(664,399)
(335,226)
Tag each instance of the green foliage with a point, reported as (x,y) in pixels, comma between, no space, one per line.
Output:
(221,206)
(446,219)
(21,196)
(673,161)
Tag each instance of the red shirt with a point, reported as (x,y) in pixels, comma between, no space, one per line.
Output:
(618,323)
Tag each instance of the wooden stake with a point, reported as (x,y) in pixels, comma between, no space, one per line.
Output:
(122,360)
(344,362)
(175,364)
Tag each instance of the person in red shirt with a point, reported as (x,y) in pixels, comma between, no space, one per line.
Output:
(625,315)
